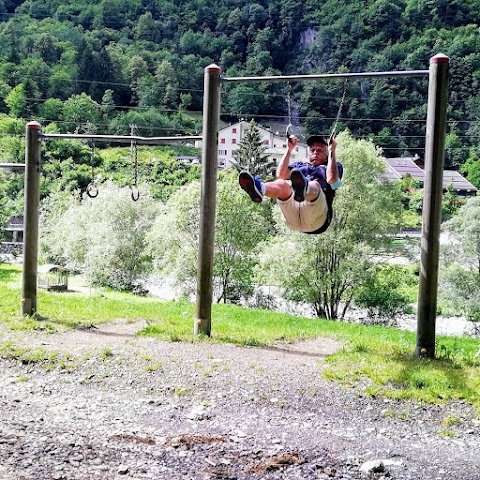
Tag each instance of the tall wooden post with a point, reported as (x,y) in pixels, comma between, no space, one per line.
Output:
(31,212)
(211,116)
(432,204)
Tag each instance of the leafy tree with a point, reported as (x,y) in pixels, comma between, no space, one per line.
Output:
(103,238)
(251,155)
(147,91)
(82,113)
(245,100)
(51,110)
(168,175)
(381,294)
(450,203)
(460,275)
(108,103)
(235,245)
(174,238)
(145,27)
(166,84)
(472,168)
(325,270)
(17,101)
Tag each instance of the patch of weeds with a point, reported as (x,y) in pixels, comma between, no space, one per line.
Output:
(28,356)
(23,378)
(65,365)
(182,391)
(107,353)
(258,368)
(451,420)
(360,348)
(446,433)
(400,414)
(252,342)
(152,367)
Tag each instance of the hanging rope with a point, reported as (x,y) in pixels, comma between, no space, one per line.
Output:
(289,106)
(334,129)
(92,188)
(135,195)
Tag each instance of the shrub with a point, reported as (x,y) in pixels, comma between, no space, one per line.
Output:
(381,294)
(102,237)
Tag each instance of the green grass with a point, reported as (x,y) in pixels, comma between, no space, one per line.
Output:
(379,360)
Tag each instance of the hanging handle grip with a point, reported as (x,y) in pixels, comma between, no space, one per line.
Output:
(289,132)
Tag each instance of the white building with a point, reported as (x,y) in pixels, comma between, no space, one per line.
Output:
(230,137)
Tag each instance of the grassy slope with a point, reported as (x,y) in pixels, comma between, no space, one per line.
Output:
(383,356)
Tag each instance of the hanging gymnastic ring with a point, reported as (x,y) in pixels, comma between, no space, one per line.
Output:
(135,195)
(92,190)
(289,133)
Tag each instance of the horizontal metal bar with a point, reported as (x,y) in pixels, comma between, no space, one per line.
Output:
(328,76)
(12,165)
(120,138)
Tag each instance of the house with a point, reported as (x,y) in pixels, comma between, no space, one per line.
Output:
(398,168)
(275,143)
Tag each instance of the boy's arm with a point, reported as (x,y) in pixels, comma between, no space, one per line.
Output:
(332,175)
(282,170)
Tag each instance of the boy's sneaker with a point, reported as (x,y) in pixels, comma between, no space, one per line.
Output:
(252,185)
(299,185)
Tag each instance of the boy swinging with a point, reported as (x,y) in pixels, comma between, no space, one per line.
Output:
(304,190)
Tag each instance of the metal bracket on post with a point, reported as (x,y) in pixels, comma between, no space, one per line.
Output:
(432,204)
(211,117)
(32,201)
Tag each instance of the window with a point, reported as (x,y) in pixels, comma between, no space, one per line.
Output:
(234,130)
(222,140)
(265,142)
(222,152)
(234,140)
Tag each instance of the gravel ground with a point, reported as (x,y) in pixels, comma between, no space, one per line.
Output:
(123,407)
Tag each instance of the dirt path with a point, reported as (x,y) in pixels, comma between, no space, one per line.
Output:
(119,406)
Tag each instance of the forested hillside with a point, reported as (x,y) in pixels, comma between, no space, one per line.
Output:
(98,66)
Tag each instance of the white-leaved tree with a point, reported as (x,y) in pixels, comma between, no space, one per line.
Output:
(103,237)
(325,270)
(240,226)
(460,273)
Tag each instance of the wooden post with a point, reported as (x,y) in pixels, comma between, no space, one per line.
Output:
(211,116)
(31,212)
(432,204)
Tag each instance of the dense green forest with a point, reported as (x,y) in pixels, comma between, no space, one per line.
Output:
(99,66)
